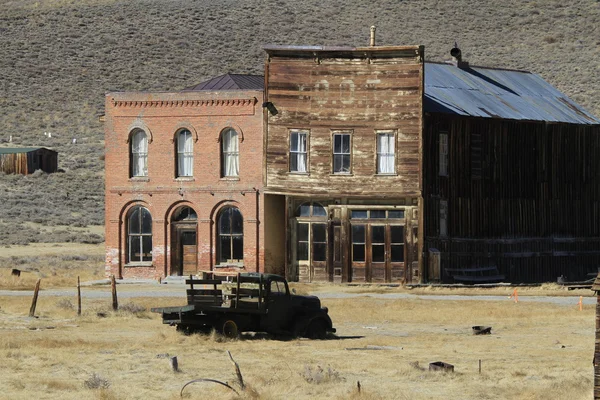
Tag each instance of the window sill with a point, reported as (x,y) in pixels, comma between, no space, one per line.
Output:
(239,266)
(298,173)
(341,174)
(184,179)
(386,174)
(139,264)
(139,179)
(230,178)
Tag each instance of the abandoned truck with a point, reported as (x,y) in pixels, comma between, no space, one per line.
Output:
(248,302)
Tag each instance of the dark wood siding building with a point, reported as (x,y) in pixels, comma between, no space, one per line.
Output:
(26,160)
(342,155)
(511,178)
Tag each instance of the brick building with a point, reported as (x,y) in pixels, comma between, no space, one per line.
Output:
(184,180)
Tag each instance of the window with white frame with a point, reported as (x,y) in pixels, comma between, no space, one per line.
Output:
(230,153)
(185,154)
(386,152)
(138,154)
(298,151)
(443,153)
(341,152)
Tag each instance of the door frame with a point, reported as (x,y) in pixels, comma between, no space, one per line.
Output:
(177,230)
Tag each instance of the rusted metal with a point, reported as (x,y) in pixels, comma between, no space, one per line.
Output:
(441,366)
(482,330)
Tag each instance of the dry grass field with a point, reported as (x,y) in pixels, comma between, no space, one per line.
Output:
(535,351)
(59,58)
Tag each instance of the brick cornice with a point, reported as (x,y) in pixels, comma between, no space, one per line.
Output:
(183,103)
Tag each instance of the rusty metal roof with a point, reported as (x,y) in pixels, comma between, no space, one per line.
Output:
(596,284)
(498,93)
(231,82)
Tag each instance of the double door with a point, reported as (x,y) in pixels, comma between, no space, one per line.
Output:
(377,252)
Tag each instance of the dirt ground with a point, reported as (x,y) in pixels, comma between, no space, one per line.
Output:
(386,337)
(536,351)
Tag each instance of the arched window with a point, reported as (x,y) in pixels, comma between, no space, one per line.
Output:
(185,153)
(230,153)
(138,154)
(139,235)
(230,236)
(311,210)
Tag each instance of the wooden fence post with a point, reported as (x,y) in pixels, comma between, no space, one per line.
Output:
(78,297)
(113,284)
(35,297)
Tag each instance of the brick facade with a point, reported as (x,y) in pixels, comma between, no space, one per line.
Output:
(161,116)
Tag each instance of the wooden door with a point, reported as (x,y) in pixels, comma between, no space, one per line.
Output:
(318,247)
(378,249)
(189,252)
(396,253)
(358,253)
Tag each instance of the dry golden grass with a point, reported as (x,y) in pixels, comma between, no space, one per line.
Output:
(536,351)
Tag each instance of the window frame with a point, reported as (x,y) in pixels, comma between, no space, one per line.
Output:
(443,153)
(348,133)
(297,153)
(183,153)
(378,153)
(138,236)
(225,154)
(137,155)
(230,260)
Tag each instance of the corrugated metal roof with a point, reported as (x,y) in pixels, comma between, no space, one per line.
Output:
(231,82)
(14,150)
(498,93)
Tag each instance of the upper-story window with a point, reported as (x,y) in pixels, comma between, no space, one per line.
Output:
(185,153)
(341,152)
(298,152)
(138,154)
(230,153)
(443,153)
(386,152)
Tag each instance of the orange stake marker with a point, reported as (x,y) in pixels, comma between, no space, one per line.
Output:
(580,303)
(514,296)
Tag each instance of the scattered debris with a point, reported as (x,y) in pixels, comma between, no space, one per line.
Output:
(320,375)
(441,366)
(237,372)
(372,347)
(415,365)
(96,382)
(482,330)
(174,364)
(370,327)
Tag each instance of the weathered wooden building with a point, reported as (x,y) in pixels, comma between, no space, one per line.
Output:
(343,160)
(511,178)
(26,160)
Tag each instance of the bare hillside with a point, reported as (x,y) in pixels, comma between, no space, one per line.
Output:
(59,58)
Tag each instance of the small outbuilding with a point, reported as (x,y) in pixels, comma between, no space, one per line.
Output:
(26,160)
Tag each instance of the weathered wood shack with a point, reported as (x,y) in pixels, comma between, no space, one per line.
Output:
(342,160)
(511,178)
(26,160)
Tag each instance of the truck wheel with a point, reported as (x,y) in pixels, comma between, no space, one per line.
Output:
(185,329)
(229,328)
(317,329)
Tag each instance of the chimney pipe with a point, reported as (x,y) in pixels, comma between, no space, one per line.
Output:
(372,43)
